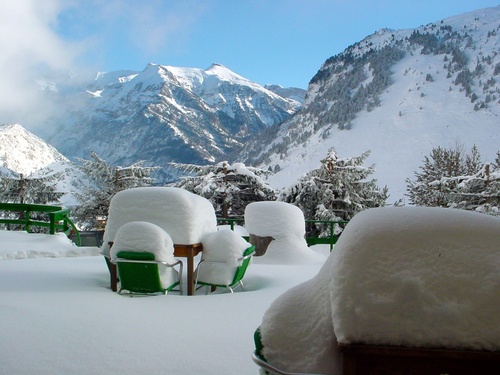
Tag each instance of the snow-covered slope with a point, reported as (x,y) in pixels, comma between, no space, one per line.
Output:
(398,93)
(167,113)
(22,152)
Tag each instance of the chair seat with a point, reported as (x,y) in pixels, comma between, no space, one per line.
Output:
(140,273)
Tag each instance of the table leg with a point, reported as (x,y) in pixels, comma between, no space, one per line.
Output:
(190,271)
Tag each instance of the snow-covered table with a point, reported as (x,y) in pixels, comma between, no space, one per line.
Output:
(404,287)
(388,360)
(185,216)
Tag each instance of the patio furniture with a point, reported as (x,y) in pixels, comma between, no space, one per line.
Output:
(185,216)
(144,257)
(220,274)
(140,273)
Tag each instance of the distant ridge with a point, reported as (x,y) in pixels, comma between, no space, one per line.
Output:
(398,93)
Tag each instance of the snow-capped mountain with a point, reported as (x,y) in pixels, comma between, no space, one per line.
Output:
(22,152)
(167,113)
(398,93)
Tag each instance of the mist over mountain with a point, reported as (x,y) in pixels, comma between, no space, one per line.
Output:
(398,93)
(165,114)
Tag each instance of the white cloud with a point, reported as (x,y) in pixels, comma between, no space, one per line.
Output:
(30,48)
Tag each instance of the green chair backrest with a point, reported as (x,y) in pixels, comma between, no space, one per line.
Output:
(240,272)
(139,277)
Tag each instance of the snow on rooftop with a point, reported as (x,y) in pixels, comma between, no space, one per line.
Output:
(185,216)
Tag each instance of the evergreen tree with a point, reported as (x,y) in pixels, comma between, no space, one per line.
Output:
(229,187)
(34,189)
(480,191)
(336,191)
(441,174)
(106,181)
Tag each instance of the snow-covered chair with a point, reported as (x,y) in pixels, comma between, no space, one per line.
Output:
(144,255)
(225,259)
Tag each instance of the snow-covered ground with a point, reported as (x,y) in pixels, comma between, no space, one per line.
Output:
(58,315)
(411,276)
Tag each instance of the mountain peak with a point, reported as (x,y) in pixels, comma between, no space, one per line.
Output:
(24,152)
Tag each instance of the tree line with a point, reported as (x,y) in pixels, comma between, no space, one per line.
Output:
(336,191)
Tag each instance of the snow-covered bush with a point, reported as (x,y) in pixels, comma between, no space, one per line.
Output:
(35,189)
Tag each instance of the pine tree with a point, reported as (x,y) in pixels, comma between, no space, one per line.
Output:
(229,187)
(440,176)
(34,189)
(481,191)
(31,189)
(335,191)
(106,181)
(452,178)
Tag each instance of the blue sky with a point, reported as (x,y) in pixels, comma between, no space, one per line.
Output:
(267,41)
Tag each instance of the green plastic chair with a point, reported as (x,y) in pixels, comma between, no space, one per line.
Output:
(238,276)
(139,273)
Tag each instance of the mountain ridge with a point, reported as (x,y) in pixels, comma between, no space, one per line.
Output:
(398,93)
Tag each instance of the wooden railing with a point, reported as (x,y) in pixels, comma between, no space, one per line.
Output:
(58,218)
(330,240)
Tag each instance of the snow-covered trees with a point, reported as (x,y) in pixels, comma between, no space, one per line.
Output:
(453,178)
(33,189)
(17,188)
(336,191)
(106,180)
(230,187)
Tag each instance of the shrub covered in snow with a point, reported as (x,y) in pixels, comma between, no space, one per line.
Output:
(337,190)
(230,187)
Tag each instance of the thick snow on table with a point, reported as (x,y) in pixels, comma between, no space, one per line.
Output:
(419,277)
(407,276)
(185,216)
